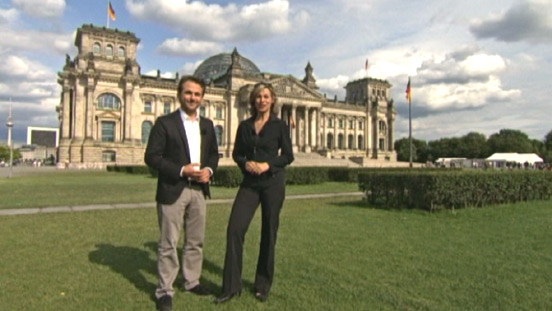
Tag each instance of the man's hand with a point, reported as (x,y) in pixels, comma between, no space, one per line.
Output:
(196,174)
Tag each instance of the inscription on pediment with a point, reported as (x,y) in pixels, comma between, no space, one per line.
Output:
(287,87)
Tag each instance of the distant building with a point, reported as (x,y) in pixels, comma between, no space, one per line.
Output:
(42,143)
(107,107)
(43,136)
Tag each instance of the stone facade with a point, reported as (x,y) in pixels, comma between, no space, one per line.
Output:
(107,107)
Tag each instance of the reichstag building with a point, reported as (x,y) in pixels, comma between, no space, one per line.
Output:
(107,107)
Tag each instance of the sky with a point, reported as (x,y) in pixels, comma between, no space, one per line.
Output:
(474,65)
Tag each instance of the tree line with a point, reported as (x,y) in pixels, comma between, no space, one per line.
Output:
(474,146)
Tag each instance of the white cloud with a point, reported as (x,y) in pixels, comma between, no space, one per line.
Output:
(189,68)
(214,22)
(46,9)
(166,75)
(8,16)
(15,68)
(36,40)
(528,20)
(333,86)
(185,47)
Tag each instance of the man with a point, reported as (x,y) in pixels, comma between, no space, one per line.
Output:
(182,147)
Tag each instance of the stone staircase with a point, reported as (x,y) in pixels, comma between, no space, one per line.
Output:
(315,159)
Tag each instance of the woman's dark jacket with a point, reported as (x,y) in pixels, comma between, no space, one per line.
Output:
(271,145)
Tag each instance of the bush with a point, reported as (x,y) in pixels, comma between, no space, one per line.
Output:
(433,190)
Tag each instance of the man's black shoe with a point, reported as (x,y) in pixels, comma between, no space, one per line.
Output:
(199,290)
(164,303)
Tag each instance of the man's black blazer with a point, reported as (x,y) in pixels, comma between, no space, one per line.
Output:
(168,151)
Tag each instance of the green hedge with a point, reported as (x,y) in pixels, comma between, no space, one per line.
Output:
(432,190)
(132,169)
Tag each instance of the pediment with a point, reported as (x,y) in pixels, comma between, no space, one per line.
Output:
(288,86)
(108,115)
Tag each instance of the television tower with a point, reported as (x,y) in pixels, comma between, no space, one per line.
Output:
(9,124)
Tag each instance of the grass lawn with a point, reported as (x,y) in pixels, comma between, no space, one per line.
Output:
(332,254)
(63,188)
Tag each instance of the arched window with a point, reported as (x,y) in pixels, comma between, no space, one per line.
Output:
(109,101)
(340,144)
(218,134)
(360,142)
(146,129)
(329,141)
(350,141)
(121,52)
(97,49)
(109,50)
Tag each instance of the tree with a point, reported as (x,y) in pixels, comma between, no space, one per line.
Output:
(419,150)
(548,141)
(507,140)
(5,154)
(473,146)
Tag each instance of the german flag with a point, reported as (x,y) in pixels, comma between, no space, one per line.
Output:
(110,11)
(408,91)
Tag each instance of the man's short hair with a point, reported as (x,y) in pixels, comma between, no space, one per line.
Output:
(193,79)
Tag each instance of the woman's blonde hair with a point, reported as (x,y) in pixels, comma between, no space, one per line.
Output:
(258,88)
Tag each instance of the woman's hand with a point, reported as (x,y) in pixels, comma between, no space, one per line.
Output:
(256,168)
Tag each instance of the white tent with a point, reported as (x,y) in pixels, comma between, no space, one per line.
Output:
(521,158)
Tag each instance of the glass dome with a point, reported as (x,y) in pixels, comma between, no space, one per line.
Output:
(217,65)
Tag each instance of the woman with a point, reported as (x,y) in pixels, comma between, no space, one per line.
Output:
(262,149)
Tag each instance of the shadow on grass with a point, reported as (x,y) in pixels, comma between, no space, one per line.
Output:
(207,266)
(130,262)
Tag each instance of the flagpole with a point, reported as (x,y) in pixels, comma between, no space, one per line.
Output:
(107,11)
(410,120)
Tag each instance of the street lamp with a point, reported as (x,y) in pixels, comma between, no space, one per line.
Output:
(9,124)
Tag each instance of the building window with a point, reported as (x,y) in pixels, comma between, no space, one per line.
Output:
(146,129)
(97,48)
(108,131)
(351,124)
(109,50)
(202,111)
(218,134)
(340,123)
(166,108)
(382,144)
(329,141)
(350,141)
(121,52)
(109,101)
(360,125)
(360,144)
(109,156)
(147,106)
(382,126)
(340,144)
(218,113)
(330,122)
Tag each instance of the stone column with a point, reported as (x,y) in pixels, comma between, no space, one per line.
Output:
(126,112)
(90,107)
(334,147)
(308,131)
(66,108)
(390,135)
(316,125)
(294,130)
(346,134)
